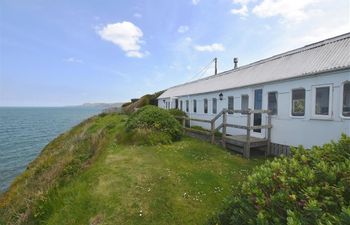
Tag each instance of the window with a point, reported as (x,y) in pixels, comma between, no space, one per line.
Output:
(181,105)
(346,99)
(298,102)
(215,106)
(230,104)
(321,101)
(176,103)
(187,105)
(272,102)
(205,105)
(244,102)
(194,105)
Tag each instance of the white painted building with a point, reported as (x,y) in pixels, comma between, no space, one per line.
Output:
(308,90)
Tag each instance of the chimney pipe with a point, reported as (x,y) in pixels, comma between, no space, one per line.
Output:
(235,61)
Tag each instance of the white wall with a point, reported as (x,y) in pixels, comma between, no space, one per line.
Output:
(287,130)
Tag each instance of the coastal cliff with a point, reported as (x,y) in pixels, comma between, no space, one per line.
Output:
(88,176)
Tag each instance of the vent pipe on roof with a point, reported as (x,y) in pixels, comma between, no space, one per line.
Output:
(235,61)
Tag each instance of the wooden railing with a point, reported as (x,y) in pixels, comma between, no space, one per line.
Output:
(248,127)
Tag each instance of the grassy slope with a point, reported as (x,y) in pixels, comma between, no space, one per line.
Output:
(182,183)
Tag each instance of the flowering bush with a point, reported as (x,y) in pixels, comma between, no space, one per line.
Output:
(312,187)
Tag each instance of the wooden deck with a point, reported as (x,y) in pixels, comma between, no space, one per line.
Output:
(245,142)
(241,140)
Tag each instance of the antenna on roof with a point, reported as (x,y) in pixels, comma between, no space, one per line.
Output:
(203,71)
(216,65)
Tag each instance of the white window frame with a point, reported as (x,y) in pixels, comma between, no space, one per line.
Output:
(291,103)
(233,103)
(242,101)
(194,106)
(207,111)
(212,106)
(313,102)
(341,100)
(273,115)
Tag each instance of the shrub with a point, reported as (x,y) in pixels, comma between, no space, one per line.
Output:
(153,125)
(178,113)
(312,187)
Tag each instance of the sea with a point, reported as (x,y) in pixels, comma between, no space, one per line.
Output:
(25,131)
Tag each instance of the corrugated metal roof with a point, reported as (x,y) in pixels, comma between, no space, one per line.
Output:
(327,55)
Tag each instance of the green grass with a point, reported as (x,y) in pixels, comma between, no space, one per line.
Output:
(183,183)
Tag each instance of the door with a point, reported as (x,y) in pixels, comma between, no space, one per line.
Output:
(257,117)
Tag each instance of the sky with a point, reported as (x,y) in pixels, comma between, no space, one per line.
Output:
(58,53)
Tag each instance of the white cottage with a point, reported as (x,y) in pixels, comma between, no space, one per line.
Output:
(307,90)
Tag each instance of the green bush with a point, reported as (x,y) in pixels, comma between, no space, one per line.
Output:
(312,187)
(153,125)
(177,112)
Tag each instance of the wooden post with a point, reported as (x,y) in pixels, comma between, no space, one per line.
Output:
(269,133)
(224,122)
(183,122)
(246,152)
(212,129)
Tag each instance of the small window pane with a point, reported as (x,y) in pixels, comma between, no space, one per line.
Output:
(322,101)
(272,102)
(346,99)
(181,104)
(230,104)
(187,105)
(194,106)
(215,105)
(205,105)
(245,102)
(298,102)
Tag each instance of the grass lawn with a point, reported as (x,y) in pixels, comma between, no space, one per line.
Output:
(182,183)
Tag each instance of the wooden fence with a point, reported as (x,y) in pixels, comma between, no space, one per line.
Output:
(248,127)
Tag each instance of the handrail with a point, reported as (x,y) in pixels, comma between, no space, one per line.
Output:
(218,115)
(224,125)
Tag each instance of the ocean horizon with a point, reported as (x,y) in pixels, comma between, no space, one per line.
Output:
(25,131)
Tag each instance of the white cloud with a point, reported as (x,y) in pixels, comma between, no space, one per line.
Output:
(125,35)
(243,11)
(73,60)
(183,29)
(188,39)
(137,15)
(290,11)
(216,47)
(195,2)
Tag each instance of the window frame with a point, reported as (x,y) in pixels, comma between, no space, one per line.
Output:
(194,105)
(342,99)
(205,106)
(291,103)
(242,102)
(233,103)
(276,92)
(330,102)
(216,105)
